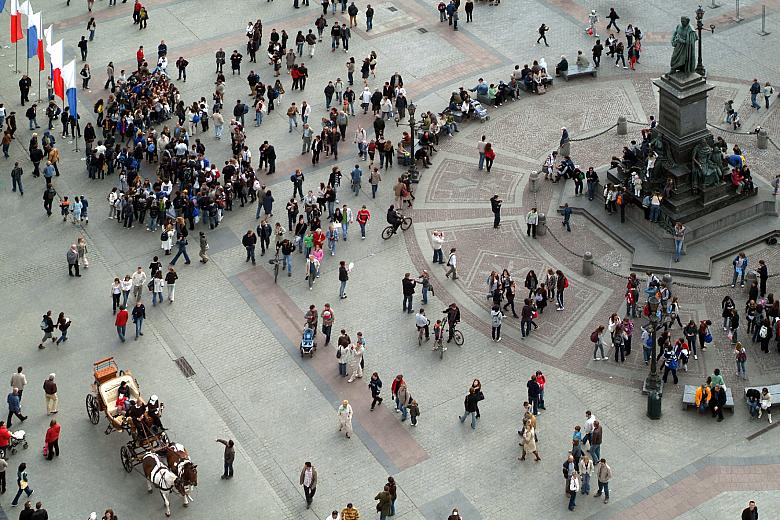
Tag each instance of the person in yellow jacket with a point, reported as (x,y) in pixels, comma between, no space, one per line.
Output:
(703,395)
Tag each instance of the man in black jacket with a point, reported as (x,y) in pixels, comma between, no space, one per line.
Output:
(718,401)
(408,284)
(24,87)
(495,206)
(249,241)
(533,393)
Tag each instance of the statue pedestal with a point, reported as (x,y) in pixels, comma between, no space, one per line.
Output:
(682,115)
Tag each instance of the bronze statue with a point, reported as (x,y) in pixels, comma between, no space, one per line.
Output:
(707,168)
(662,157)
(684,43)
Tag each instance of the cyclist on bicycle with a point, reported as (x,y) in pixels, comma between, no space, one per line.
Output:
(453,318)
(422,323)
(394,218)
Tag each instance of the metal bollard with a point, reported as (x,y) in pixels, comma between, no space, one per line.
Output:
(622,126)
(762,139)
(541,227)
(587,264)
(533,181)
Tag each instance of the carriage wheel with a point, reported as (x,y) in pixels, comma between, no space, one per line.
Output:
(127,458)
(93,410)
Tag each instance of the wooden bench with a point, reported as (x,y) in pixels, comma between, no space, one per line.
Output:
(689,398)
(774,392)
(575,71)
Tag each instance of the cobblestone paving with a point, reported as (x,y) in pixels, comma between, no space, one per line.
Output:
(239,330)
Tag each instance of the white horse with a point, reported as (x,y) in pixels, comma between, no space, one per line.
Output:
(157,473)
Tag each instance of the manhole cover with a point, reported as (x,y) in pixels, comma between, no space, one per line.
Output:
(422,30)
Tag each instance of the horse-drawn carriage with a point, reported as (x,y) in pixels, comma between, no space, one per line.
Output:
(164,463)
(145,431)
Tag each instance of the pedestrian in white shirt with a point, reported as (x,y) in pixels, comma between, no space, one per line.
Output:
(345,417)
(139,279)
(588,429)
(437,238)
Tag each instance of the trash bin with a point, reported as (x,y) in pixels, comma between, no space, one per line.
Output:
(654,405)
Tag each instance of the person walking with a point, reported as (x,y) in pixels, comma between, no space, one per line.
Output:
(481,150)
(496,318)
(407,285)
(3,468)
(349,512)
(139,315)
(204,246)
(595,441)
(121,322)
(750,512)
(384,506)
(309,482)
(23,483)
(170,282)
(531,221)
(470,408)
(679,236)
(72,256)
(755,90)
(229,457)
(50,391)
(52,440)
(181,243)
(452,265)
(495,206)
(19,381)
(375,385)
(528,439)
(343,279)
(603,476)
(14,407)
(249,241)
(543,35)
(345,417)
(139,280)
(574,488)
(47,326)
(16,178)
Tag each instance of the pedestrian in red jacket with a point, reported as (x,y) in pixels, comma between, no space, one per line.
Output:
(53,440)
(121,322)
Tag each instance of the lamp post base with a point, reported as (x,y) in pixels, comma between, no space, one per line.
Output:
(652,384)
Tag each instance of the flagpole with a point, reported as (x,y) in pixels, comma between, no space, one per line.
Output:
(39,59)
(16,47)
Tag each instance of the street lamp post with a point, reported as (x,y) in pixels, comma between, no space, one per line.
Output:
(653,386)
(652,382)
(700,70)
(414,174)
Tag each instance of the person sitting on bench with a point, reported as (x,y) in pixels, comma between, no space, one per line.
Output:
(563,66)
(481,88)
(582,62)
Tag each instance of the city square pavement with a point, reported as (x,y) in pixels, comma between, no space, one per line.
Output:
(224,357)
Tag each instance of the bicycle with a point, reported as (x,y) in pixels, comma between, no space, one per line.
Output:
(276,262)
(389,231)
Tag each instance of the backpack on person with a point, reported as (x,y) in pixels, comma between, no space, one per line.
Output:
(741,357)
(44,324)
(594,336)
(565,283)
(763,332)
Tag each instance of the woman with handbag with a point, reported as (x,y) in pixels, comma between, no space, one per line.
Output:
(22,481)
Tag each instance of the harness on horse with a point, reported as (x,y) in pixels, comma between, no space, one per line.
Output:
(157,475)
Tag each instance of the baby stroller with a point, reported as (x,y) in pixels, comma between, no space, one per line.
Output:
(480,112)
(17,438)
(308,345)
